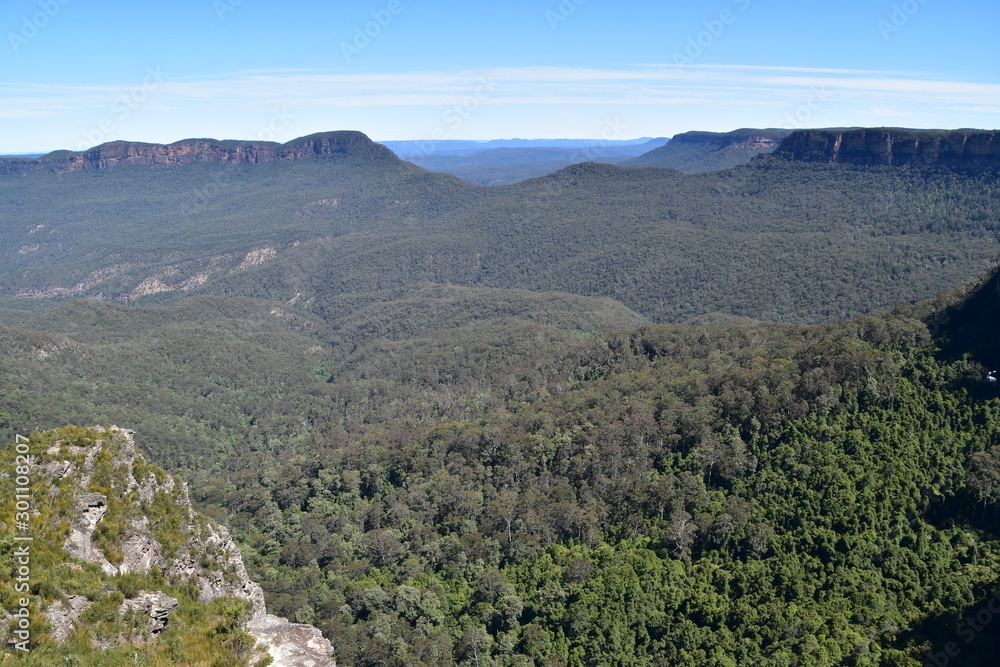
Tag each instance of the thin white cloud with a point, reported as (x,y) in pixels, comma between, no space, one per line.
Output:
(782,68)
(661,97)
(520,85)
(894,113)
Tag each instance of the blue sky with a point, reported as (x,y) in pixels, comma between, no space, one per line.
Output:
(75,73)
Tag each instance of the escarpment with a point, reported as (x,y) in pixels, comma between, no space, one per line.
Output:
(894,147)
(323,145)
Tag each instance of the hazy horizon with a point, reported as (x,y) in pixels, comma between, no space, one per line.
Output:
(594,141)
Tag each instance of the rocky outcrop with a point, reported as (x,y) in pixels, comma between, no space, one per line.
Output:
(208,558)
(747,138)
(291,644)
(227,576)
(140,552)
(198,551)
(156,606)
(894,147)
(325,145)
(63,615)
(90,509)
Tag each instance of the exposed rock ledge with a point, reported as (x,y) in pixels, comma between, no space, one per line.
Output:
(291,644)
(209,558)
(140,551)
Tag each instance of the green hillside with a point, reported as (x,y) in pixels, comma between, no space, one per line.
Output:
(773,241)
(193,376)
(765,494)
(696,152)
(471,472)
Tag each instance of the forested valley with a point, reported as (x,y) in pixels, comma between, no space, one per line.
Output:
(456,430)
(520,486)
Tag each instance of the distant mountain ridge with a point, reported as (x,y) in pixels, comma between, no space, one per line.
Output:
(494,162)
(467,147)
(690,151)
(709,151)
(186,151)
(506,161)
(894,147)
(669,245)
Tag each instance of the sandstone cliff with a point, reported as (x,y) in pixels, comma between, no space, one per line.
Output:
(894,147)
(324,145)
(129,518)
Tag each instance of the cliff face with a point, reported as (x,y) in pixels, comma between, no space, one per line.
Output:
(186,151)
(198,551)
(958,149)
(129,518)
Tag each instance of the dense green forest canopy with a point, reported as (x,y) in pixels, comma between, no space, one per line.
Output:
(444,484)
